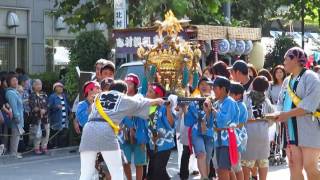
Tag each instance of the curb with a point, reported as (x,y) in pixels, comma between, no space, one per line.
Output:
(30,156)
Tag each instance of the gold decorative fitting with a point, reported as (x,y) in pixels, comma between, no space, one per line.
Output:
(172,54)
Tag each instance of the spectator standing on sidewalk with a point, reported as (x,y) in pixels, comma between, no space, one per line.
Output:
(58,116)
(5,109)
(2,121)
(24,82)
(15,101)
(38,101)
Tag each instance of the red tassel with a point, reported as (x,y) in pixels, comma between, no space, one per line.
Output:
(190,140)
(233,149)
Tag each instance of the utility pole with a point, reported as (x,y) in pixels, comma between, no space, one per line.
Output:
(227,12)
(302,22)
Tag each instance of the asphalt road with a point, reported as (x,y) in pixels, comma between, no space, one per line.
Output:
(66,166)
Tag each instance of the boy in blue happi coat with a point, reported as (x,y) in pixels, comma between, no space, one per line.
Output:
(90,90)
(236,92)
(161,133)
(202,128)
(226,119)
(134,134)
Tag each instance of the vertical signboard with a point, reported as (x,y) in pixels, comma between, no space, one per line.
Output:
(120,14)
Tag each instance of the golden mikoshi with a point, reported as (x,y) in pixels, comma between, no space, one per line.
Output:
(172,57)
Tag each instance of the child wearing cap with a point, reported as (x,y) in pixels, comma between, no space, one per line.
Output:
(226,119)
(134,134)
(90,90)
(258,147)
(59,110)
(161,133)
(202,128)
(236,92)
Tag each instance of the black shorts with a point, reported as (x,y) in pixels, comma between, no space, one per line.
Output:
(223,159)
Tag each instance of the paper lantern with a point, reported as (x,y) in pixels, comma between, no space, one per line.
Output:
(223,46)
(248,47)
(241,45)
(256,56)
(233,45)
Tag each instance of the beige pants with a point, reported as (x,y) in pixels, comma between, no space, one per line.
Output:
(14,140)
(43,140)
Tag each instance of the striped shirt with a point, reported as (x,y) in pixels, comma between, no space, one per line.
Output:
(64,113)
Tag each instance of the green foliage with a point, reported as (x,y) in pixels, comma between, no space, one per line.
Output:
(294,12)
(254,13)
(77,17)
(261,13)
(140,12)
(48,79)
(275,57)
(71,79)
(87,49)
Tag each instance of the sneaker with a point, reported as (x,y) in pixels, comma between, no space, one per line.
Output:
(45,150)
(18,156)
(195,173)
(37,151)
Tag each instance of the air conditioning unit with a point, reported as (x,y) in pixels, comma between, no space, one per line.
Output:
(12,20)
(60,24)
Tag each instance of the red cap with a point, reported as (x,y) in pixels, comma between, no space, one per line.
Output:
(158,90)
(133,78)
(89,86)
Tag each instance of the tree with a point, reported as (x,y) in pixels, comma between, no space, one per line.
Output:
(199,11)
(255,13)
(78,16)
(141,12)
(294,11)
(261,13)
(87,49)
(275,57)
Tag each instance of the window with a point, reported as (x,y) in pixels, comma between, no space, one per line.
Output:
(57,53)
(22,54)
(6,54)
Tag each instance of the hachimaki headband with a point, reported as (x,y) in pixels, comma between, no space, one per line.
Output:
(297,52)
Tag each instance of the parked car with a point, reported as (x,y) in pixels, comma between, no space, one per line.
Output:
(136,67)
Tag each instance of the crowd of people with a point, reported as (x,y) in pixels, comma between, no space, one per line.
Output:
(29,118)
(228,133)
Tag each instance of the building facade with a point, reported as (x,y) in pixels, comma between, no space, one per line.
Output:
(30,38)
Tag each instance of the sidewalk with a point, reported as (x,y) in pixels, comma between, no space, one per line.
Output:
(31,156)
